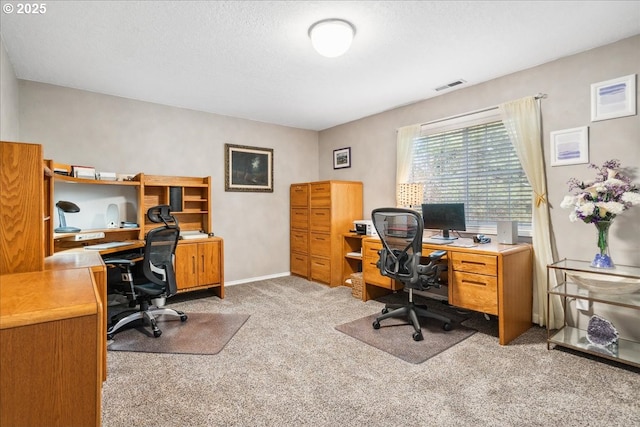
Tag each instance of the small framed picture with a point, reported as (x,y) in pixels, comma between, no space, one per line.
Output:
(248,168)
(570,146)
(613,98)
(342,158)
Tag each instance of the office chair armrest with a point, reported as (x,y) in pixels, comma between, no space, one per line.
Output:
(119,262)
(436,255)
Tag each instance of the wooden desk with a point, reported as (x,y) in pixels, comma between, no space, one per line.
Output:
(490,278)
(92,260)
(50,329)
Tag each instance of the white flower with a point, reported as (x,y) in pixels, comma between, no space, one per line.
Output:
(568,202)
(614,208)
(630,197)
(573,216)
(586,208)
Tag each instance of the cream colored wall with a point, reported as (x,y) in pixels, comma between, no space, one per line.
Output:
(567,85)
(128,136)
(9,122)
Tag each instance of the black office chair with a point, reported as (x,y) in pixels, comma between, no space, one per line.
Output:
(158,276)
(400,259)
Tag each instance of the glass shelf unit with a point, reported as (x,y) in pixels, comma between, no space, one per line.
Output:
(626,351)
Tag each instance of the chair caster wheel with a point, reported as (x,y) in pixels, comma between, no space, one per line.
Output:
(446,326)
(385,310)
(376,324)
(183,318)
(417,336)
(157,333)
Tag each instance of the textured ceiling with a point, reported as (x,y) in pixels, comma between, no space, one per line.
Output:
(254,60)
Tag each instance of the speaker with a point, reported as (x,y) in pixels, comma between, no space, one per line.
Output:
(113,216)
(508,232)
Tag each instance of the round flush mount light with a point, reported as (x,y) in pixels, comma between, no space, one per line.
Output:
(332,37)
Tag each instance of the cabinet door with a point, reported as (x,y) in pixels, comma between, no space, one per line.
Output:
(208,263)
(186,266)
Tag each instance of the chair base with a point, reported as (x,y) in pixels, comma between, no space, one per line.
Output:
(411,311)
(148,315)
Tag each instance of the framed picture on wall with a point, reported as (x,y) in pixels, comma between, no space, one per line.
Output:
(570,146)
(342,158)
(248,168)
(613,98)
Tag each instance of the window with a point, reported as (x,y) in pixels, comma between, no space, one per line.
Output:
(473,162)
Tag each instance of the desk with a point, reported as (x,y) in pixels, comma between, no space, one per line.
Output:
(51,340)
(490,278)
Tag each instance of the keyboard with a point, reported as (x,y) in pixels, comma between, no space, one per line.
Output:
(437,241)
(108,245)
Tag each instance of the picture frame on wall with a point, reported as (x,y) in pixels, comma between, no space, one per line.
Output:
(613,98)
(570,146)
(342,158)
(248,169)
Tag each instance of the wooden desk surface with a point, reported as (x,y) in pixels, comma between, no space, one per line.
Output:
(45,296)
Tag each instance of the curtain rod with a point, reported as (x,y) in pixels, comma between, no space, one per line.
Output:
(482,110)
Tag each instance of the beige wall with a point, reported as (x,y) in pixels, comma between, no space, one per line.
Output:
(127,136)
(9,123)
(567,85)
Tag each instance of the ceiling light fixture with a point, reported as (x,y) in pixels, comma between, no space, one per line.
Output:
(332,37)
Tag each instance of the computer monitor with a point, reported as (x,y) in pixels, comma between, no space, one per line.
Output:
(445,217)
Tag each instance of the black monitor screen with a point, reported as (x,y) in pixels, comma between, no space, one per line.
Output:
(444,216)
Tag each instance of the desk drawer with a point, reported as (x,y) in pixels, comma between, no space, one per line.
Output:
(320,220)
(321,270)
(474,263)
(299,218)
(370,250)
(371,274)
(299,241)
(477,292)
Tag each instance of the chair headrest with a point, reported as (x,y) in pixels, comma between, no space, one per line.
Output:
(161,213)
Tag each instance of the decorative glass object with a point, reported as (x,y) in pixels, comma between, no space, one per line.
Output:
(601,332)
(602,258)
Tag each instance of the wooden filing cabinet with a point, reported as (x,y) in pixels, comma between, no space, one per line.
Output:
(199,265)
(333,206)
(321,212)
(299,229)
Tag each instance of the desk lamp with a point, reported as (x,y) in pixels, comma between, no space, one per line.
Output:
(68,207)
(410,195)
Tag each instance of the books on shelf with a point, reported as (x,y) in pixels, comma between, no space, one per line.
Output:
(83,172)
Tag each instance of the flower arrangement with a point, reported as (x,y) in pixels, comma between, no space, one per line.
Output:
(602,199)
(599,201)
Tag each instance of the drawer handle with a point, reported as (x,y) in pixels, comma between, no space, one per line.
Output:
(320,238)
(473,262)
(471,282)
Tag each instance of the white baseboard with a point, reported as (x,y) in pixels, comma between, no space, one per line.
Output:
(256,279)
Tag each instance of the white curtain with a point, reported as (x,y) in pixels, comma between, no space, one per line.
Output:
(404,157)
(521,119)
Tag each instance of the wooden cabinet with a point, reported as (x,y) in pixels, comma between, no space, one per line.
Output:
(189,198)
(22,211)
(199,265)
(333,206)
(52,340)
(352,251)
(299,229)
(474,282)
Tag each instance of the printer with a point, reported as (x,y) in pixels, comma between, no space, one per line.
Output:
(365,227)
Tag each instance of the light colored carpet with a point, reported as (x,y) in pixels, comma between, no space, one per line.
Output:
(201,333)
(288,366)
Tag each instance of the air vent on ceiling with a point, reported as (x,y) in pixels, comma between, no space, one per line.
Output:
(450,85)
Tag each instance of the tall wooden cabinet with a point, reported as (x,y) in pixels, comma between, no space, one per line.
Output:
(331,207)
(22,210)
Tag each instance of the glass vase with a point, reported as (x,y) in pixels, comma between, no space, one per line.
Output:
(602,258)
